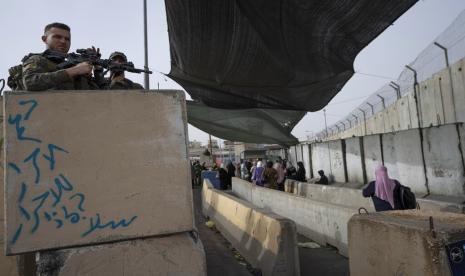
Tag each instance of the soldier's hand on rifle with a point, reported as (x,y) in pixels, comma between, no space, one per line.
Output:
(97,68)
(83,68)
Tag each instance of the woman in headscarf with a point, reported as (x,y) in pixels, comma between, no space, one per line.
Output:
(223,176)
(278,166)
(300,174)
(270,176)
(258,174)
(381,190)
(231,173)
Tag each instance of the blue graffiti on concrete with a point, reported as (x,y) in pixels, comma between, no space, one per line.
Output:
(97,224)
(54,200)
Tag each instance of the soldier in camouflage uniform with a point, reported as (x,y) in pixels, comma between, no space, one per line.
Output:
(117,79)
(39,71)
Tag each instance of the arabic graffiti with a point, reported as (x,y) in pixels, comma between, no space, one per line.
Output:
(54,200)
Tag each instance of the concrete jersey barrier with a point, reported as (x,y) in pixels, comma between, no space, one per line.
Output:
(322,222)
(268,241)
(353,197)
(409,242)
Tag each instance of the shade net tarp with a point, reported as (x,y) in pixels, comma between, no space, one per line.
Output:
(269,126)
(289,55)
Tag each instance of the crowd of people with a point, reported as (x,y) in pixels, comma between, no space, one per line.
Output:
(264,173)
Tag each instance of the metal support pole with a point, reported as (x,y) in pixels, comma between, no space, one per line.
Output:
(211,146)
(146,54)
(396,87)
(356,118)
(350,123)
(372,108)
(382,101)
(343,126)
(326,125)
(445,52)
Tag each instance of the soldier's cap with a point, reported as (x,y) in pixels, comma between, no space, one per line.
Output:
(118,54)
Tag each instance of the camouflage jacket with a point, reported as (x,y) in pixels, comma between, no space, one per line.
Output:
(41,73)
(125,84)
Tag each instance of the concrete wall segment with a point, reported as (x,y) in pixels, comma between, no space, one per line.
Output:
(169,255)
(401,242)
(72,155)
(458,82)
(354,160)
(444,165)
(372,149)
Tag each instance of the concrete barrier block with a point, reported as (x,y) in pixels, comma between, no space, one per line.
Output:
(337,161)
(354,160)
(306,161)
(402,242)
(458,84)
(320,158)
(322,222)
(372,149)
(444,163)
(444,85)
(268,241)
(403,113)
(402,157)
(430,108)
(94,166)
(413,108)
(177,254)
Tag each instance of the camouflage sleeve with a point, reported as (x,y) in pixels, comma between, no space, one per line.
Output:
(124,85)
(36,76)
(135,85)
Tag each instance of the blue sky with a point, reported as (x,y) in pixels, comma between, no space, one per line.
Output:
(118,26)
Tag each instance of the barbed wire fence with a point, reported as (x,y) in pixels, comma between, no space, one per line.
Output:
(448,48)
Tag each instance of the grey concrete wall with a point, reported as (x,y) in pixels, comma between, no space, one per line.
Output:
(292,155)
(337,172)
(178,254)
(306,160)
(431,162)
(320,158)
(372,149)
(443,158)
(403,158)
(267,240)
(354,160)
(298,150)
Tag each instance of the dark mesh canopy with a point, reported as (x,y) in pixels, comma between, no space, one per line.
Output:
(291,54)
(270,126)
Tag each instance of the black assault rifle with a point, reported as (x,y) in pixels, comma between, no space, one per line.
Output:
(92,57)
